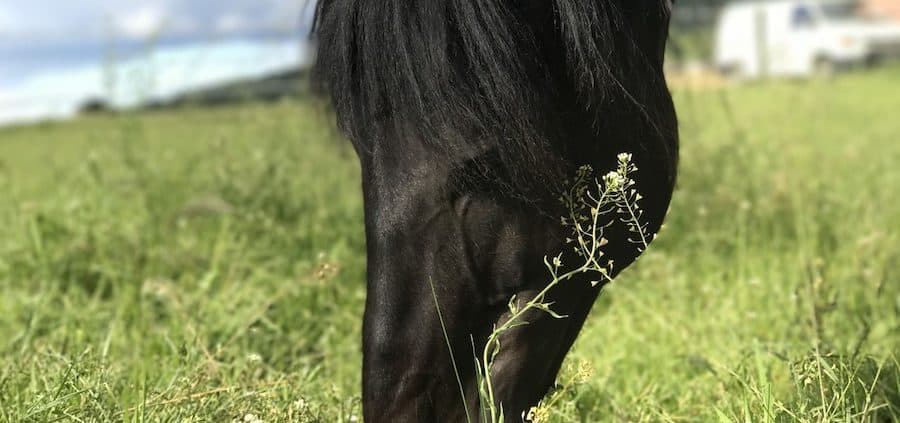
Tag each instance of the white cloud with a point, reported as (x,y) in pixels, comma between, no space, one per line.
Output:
(5,19)
(143,22)
(51,42)
(7,22)
(232,23)
(161,75)
(67,21)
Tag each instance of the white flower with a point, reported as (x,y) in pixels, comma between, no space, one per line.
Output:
(612,180)
(624,157)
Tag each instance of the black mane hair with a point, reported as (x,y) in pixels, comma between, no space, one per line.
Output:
(467,116)
(473,81)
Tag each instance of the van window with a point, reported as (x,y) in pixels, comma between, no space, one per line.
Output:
(802,17)
(839,11)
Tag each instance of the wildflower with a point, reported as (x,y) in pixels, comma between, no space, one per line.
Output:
(612,180)
(537,414)
(557,262)
(584,372)
(624,157)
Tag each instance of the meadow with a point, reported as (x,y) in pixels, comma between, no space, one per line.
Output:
(208,265)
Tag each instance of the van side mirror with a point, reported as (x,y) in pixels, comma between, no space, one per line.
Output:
(802,18)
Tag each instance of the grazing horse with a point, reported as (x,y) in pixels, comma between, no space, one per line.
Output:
(467,116)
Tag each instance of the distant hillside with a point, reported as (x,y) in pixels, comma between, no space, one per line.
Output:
(293,83)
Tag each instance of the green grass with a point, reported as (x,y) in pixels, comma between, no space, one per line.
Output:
(203,265)
(687,44)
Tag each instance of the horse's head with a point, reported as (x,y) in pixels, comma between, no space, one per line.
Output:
(649,20)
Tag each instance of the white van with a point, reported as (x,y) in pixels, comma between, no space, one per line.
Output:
(799,38)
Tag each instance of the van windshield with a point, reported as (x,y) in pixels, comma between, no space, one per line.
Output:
(802,17)
(839,11)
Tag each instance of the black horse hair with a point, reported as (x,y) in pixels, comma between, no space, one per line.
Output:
(470,79)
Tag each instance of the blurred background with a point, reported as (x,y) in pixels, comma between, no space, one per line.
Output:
(740,40)
(181,228)
(93,55)
(61,57)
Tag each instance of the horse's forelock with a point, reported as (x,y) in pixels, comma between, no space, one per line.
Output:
(469,78)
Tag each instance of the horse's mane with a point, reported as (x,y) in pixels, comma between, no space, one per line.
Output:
(470,79)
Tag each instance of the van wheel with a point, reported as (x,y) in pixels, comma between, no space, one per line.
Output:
(734,72)
(824,66)
(873,61)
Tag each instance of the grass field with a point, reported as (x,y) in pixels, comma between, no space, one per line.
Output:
(207,265)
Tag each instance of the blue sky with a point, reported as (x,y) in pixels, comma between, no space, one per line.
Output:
(54,51)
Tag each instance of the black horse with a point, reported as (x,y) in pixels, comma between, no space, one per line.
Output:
(467,116)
